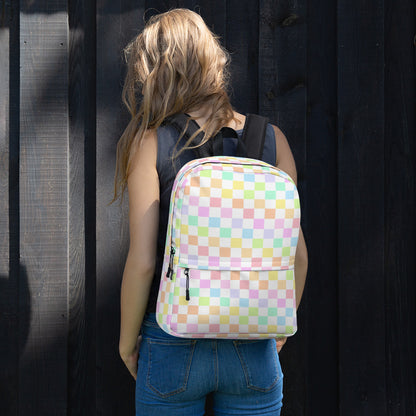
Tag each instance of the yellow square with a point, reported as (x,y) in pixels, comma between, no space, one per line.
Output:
(273,275)
(227,193)
(224,319)
(268,252)
(238,185)
(183,301)
(184,229)
(280,203)
(236,242)
(234,310)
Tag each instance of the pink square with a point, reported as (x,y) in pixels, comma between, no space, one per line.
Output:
(226,212)
(287,232)
(259,224)
(175,309)
(190,328)
(202,251)
(203,211)
(204,283)
(215,202)
(279,223)
(249,213)
(235,261)
(256,262)
(281,303)
(215,275)
(244,284)
(213,328)
(213,261)
(254,294)
(193,201)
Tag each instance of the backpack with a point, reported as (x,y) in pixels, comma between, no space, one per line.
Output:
(233,228)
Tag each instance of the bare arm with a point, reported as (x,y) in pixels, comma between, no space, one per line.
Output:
(286,163)
(143,188)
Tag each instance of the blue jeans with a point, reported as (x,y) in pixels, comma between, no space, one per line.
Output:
(176,374)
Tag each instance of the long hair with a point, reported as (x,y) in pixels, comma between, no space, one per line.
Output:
(175,65)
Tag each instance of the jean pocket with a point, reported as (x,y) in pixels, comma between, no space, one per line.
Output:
(260,364)
(169,366)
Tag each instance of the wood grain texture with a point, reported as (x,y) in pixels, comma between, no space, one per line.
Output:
(282,97)
(4,146)
(82,241)
(361,195)
(43,207)
(116,26)
(242,42)
(8,283)
(321,292)
(400,206)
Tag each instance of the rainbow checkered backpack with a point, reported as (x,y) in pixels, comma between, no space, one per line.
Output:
(232,234)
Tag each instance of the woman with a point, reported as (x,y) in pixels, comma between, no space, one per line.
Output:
(178,66)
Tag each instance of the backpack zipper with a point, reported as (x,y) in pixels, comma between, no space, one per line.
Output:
(169,273)
(186,272)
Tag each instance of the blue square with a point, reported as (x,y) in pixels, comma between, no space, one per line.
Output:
(249,177)
(214,292)
(281,321)
(214,222)
(247,233)
(290,195)
(294,241)
(244,303)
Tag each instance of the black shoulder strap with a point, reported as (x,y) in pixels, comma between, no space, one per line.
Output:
(254,134)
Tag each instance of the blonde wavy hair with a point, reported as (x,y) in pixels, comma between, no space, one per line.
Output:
(175,65)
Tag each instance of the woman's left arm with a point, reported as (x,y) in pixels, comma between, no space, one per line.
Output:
(143,190)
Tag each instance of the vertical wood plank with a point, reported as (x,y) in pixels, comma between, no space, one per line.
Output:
(361,213)
(81,335)
(400,206)
(4,145)
(117,24)
(242,42)
(282,97)
(8,282)
(321,293)
(43,205)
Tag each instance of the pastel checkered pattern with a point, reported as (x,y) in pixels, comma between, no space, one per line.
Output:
(233,226)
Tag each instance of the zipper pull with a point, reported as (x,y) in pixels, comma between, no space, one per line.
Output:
(187,284)
(169,273)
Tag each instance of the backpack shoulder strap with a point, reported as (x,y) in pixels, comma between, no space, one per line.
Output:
(254,134)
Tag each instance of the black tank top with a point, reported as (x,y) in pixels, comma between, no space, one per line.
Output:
(167,137)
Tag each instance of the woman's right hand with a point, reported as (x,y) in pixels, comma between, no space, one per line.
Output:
(131,358)
(279,343)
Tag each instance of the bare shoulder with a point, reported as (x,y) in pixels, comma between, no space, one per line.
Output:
(145,153)
(284,156)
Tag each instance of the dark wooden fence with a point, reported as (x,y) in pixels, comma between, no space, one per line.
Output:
(337,77)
